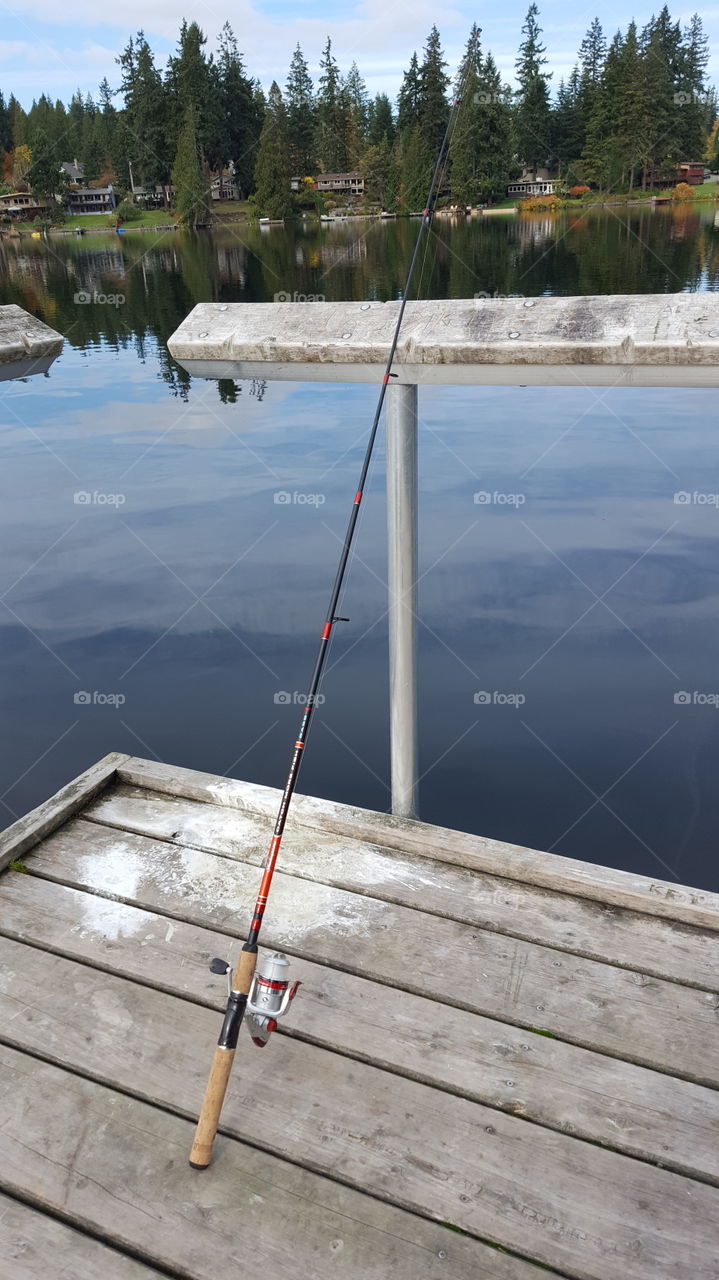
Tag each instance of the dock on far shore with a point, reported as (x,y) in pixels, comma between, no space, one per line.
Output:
(502,1064)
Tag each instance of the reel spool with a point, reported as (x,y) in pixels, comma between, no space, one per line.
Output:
(270,995)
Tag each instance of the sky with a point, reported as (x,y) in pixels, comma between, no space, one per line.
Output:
(46,47)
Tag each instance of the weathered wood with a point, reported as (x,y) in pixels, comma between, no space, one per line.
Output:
(637,340)
(28,830)
(644,1020)
(550,871)
(36,1247)
(491,1174)
(647,944)
(640,1112)
(27,345)
(119,1166)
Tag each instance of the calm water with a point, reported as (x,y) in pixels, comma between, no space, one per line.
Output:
(192,594)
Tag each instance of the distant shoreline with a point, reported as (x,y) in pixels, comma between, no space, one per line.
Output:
(241,218)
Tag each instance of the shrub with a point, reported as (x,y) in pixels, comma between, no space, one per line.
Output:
(540,204)
(682,191)
(580,190)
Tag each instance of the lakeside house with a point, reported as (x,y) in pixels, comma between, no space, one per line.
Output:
(341,183)
(83,200)
(533,182)
(691,171)
(223,185)
(22,204)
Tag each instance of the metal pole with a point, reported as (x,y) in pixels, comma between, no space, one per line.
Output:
(401,428)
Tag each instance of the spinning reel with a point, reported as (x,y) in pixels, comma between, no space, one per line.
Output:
(270,995)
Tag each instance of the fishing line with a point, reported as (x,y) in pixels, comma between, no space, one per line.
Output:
(262,995)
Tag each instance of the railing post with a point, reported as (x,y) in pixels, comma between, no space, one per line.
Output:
(401,422)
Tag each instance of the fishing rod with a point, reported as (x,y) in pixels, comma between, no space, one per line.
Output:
(264,995)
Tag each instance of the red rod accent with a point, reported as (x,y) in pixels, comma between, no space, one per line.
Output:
(358,497)
(326,631)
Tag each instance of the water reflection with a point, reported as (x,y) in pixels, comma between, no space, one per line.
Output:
(197,595)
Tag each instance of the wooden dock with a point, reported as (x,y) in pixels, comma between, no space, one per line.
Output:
(499,1058)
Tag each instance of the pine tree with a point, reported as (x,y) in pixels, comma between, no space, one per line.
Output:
(378,169)
(274,168)
(359,104)
(331,115)
(433,105)
(4,125)
(45,178)
(301,113)
(495,150)
(568,129)
(239,126)
(532,115)
(192,81)
(632,116)
(466,184)
(695,117)
(191,197)
(144,140)
(408,109)
(660,44)
(18,122)
(380,120)
(416,164)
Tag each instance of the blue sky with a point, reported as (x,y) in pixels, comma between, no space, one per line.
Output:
(45,47)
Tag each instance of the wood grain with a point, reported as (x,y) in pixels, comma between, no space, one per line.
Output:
(36,1247)
(641,1112)
(648,944)
(645,1020)
(119,1166)
(490,1174)
(530,866)
(28,830)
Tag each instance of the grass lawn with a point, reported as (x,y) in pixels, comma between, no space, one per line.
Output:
(224,207)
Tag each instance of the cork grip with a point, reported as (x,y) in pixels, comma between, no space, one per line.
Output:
(201,1152)
(244,972)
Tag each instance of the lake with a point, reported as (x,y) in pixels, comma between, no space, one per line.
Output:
(161,596)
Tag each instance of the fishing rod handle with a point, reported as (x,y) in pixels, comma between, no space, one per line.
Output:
(208,1123)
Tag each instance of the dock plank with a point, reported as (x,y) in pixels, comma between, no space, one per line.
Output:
(634,1110)
(33,826)
(530,866)
(119,1166)
(490,1174)
(34,1246)
(628,1015)
(649,944)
